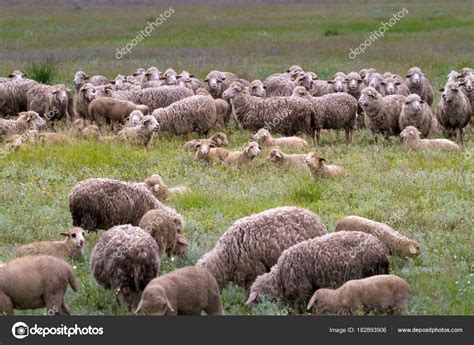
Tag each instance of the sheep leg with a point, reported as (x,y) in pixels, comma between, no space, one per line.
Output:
(65,308)
(348,135)
(6,305)
(317,134)
(53,304)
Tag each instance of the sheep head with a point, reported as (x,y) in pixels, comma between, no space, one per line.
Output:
(154,301)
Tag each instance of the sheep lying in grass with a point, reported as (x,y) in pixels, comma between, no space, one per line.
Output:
(219,140)
(203,149)
(383,293)
(417,113)
(280,158)
(319,169)
(185,291)
(236,158)
(25,121)
(396,243)
(412,141)
(49,138)
(264,138)
(33,282)
(140,135)
(72,247)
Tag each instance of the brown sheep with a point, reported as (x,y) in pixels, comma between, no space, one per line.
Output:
(319,169)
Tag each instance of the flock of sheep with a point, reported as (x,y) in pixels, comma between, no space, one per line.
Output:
(283,253)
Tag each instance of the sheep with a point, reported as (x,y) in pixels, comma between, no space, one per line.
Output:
(140,135)
(87,93)
(13,143)
(416,112)
(17,75)
(466,71)
(169,77)
(185,291)
(253,244)
(125,260)
(280,158)
(13,96)
(223,108)
(217,82)
(366,75)
(453,76)
(203,150)
(418,83)
(237,158)
(219,140)
(285,115)
(53,102)
(80,78)
(375,81)
(188,80)
(152,78)
(467,88)
(396,243)
(412,141)
(392,86)
(25,121)
(49,138)
(108,110)
(257,88)
(381,113)
(72,247)
(278,85)
(320,170)
(384,293)
(354,84)
(326,261)
(163,224)
(453,111)
(134,119)
(264,138)
(33,282)
(163,96)
(101,203)
(195,113)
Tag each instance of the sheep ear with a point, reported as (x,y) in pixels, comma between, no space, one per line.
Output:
(222,78)
(412,249)
(206,80)
(10,76)
(162,78)
(312,302)
(86,77)
(461,84)
(321,159)
(66,234)
(192,75)
(422,102)
(182,240)
(264,87)
(330,81)
(408,76)
(253,298)
(441,90)
(112,82)
(278,154)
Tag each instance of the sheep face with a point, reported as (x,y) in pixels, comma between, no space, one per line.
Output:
(261,135)
(390,85)
(368,75)
(79,79)
(263,285)
(376,81)
(369,98)
(453,76)
(306,80)
(220,139)
(353,80)
(17,75)
(204,146)
(252,149)
(467,83)
(234,89)
(338,82)
(412,249)
(275,156)
(154,301)
(61,94)
(170,77)
(156,185)
(410,133)
(300,91)
(150,123)
(257,89)
(413,104)
(314,160)
(140,71)
(152,73)
(78,125)
(119,81)
(88,91)
(414,75)
(449,92)
(294,71)
(135,118)
(76,237)
(184,79)
(319,301)
(34,120)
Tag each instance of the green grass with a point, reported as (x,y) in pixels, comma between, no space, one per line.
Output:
(426,196)
(43,72)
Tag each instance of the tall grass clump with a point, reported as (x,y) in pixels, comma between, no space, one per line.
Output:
(43,72)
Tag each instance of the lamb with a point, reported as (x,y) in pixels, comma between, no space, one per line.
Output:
(107,110)
(49,138)
(285,115)
(217,82)
(125,260)
(417,113)
(264,138)
(195,113)
(396,243)
(418,83)
(237,158)
(188,80)
(25,121)
(381,113)
(219,140)
(392,86)
(412,141)
(140,135)
(453,111)
(164,225)
(80,78)
(72,247)
(33,282)
(253,244)
(203,150)
(53,102)
(278,85)
(257,88)
(101,203)
(163,96)
(185,291)
(280,158)
(384,293)
(320,170)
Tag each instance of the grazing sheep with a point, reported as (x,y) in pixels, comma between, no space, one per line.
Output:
(100,203)
(396,243)
(280,158)
(416,112)
(72,247)
(188,80)
(125,260)
(140,135)
(237,158)
(319,169)
(108,110)
(195,113)
(93,132)
(326,261)
(384,293)
(264,138)
(381,113)
(412,141)
(185,291)
(252,245)
(163,224)
(217,82)
(390,85)
(257,88)
(80,78)
(163,96)
(25,121)
(278,85)
(453,111)
(33,282)
(285,115)
(418,83)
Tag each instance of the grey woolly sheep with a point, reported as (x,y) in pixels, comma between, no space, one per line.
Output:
(418,83)
(87,93)
(223,108)
(264,138)
(278,85)
(140,135)
(52,102)
(392,86)
(412,141)
(280,158)
(33,282)
(294,71)
(382,293)
(169,77)
(25,121)
(81,78)
(13,96)
(185,291)
(163,96)
(17,75)
(366,74)
(124,261)
(381,113)
(467,87)
(416,112)
(134,119)
(257,88)
(72,247)
(466,71)
(109,110)
(252,245)
(286,115)
(327,261)
(354,84)
(100,203)
(195,113)
(319,169)
(453,110)
(396,243)
(453,76)
(188,80)
(237,158)
(217,82)
(375,81)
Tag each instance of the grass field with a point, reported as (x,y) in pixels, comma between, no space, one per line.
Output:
(427,196)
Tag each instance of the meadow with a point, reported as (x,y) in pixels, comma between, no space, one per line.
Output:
(428,196)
